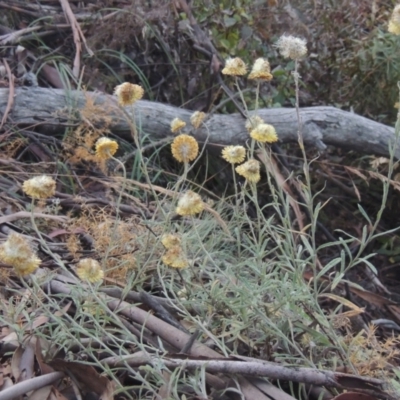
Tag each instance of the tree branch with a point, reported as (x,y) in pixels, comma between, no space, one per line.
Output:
(52,109)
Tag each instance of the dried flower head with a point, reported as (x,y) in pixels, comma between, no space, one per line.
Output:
(235,67)
(190,203)
(40,187)
(128,93)
(106,148)
(250,170)
(394,22)
(261,70)
(292,47)
(90,270)
(253,122)
(197,118)
(185,148)
(17,252)
(169,240)
(234,154)
(264,133)
(177,124)
(175,258)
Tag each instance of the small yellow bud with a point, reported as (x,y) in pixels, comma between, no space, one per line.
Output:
(128,93)
(175,258)
(17,252)
(261,70)
(235,67)
(197,118)
(234,154)
(189,204)
(106,148)
(177,124)
(264,133)
(90,270)
(250,170)
(170,240)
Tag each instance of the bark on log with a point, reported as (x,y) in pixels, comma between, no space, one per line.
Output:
(49,110)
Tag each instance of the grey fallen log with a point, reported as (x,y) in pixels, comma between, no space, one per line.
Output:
(49,110)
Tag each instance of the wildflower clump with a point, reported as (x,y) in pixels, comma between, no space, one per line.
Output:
(235,67)
(17,252)
(264,133)
(292,47)
(128,93)
(169,240)
(250,170)
(106,148)
(40,187)
(261,70)
(197,118)
(89,270)
(175,258)
(185,148)
(177,124)
(190,203)
(394,22)
(234,154)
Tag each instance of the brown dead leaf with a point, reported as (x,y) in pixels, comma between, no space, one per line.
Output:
(372,298)
(15,363)
(87,376)
(44,368)
(165,390)
(27,360)
(41,394)
(56,395)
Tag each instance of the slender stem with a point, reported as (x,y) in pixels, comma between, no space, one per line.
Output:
(117,211)
(122,186)
(235,184)
(306,171)
(257,96)
(241,96)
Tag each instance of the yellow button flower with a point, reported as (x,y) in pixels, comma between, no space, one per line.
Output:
(175,258)
(234,154)
(106,148)
(261,70)
(17,252)
(185,148)
(250,170)
(169,240)
(90,270)
(235,67)
(128,93)
(40,187)
(264,133)
(189,204)
(197,118)
(177,124)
